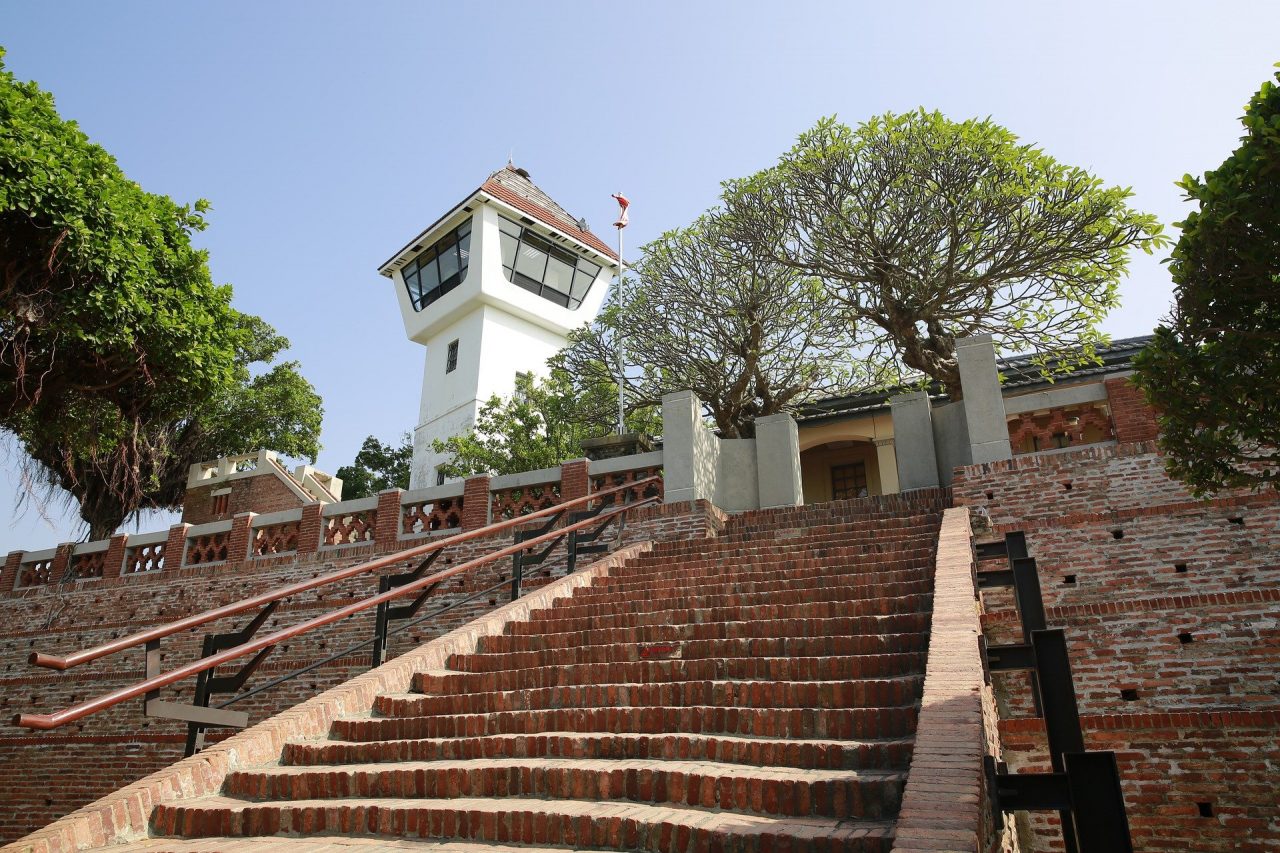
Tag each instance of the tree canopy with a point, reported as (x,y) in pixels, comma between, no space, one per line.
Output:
(925,230)
(749,335)
(121,362)
(377,467)
(540,425)
(1213,369)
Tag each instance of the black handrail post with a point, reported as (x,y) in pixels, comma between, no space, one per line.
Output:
(1094,780)
(517,570)
(380,625)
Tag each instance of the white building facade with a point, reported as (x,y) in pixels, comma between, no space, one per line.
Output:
(492,289)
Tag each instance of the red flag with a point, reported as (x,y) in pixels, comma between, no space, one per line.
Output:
(623,204)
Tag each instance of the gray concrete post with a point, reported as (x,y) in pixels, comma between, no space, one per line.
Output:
(913,441)
(778,461)
(983,403)
(690,452)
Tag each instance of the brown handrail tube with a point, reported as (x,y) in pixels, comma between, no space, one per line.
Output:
(45,722)
(87,655)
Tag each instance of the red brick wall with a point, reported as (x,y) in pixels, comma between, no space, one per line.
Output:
(261,494)
(47,775)
(1133,417)
(1128,562)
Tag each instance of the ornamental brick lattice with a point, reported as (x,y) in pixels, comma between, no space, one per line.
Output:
(36,573)
(210,548)
(1064,427)
(350,529)
(88,565)
(276,539)
(622,478)
(522,500)
(427,516)
(144,558)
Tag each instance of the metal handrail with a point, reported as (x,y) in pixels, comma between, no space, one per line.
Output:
(45,722)
(187,622)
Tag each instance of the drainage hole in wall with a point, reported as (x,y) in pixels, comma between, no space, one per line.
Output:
(991,495)
(1237,520)
(1206,809)
(48,801)
(1180,568)
(1185,637)
(1117,534)
(1066,486)
(1069,580)
(1129,694)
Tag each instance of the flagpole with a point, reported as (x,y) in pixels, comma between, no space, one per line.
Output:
(622,268)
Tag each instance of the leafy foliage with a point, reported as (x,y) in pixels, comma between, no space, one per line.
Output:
(121,362)
(1214,368)
(377,467)
(925,230)
(749,335)
(541,425)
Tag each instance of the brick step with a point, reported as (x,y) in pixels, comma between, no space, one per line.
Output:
(809,723)
(809,581)
(875,636)
(572,823)
(330,844)
(792,569)
(654,564)
(891,754)
(839,626)
(779,791)
(825,668)
(851,589)
(896,598)
(861,535)
(867,693)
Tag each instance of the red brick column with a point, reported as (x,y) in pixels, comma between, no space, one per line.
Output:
(1132,415)
(61,559)
(9,574)
(238,538)
(311,529)
(475,502)
(113,560)
(175,547)
(574,482)
(386,529)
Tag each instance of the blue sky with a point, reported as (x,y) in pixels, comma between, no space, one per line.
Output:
(326,134)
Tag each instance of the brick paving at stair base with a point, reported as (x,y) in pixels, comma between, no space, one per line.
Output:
(609,825)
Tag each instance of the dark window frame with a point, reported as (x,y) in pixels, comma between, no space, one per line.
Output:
(451,357)
(424,268)
(849,480)
(549,249)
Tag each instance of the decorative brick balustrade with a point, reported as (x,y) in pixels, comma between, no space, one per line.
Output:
(431,516)
(522,500)
(276,539)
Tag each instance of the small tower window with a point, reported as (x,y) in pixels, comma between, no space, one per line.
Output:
(542,267)
(848,481)
(439,269)
(451,360)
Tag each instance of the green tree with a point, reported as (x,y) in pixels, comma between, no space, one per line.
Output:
(541,425)
(1213,369)
(121,362)
(926,230)
(377,467)
(749,335)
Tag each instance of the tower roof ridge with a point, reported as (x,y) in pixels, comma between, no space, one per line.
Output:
(513,185)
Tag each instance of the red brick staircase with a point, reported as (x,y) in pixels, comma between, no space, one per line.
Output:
(757,691)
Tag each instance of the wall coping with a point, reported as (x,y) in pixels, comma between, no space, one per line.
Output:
(943,799)
(156,537)
(597,467)
(209,528)
(432,493)
(94,547)
(284,516)
(348,507)
(540,477)
(42,554)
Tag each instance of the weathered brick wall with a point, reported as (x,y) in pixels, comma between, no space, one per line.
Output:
(1171,608)
(46,775)
(261,494)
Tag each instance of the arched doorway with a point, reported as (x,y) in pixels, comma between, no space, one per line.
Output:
(842,469)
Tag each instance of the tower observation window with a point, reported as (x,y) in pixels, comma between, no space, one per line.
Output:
(439,269)
(540,266)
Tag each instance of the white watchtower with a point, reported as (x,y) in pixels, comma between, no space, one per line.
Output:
(492,289)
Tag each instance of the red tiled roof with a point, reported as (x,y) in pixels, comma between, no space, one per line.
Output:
(560,219)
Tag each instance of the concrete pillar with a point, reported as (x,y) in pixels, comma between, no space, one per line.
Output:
(887,462)
(778,461)
(690,452)
(983,403)
(916,458)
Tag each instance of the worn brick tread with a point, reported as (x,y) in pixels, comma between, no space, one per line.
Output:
(889,753)
(324,844)
(576,823)
(759,790)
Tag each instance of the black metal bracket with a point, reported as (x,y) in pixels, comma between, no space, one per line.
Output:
(198,715)
(1086,793)
(386,613)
